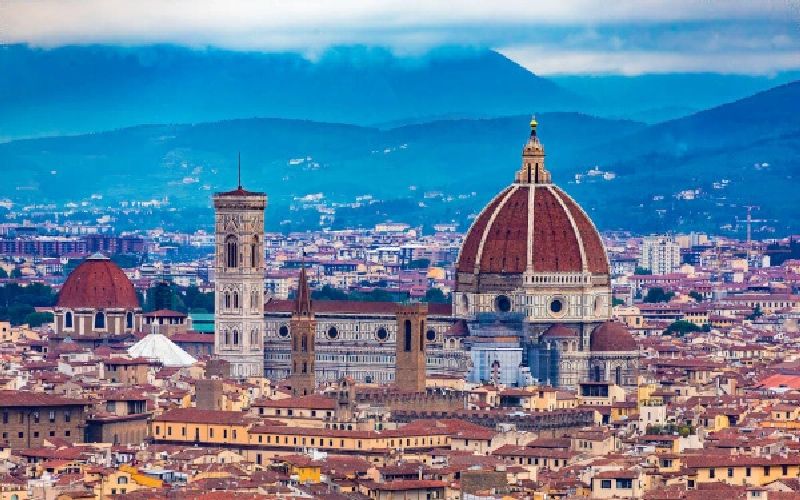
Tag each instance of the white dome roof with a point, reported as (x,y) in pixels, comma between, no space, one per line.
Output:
(159,348)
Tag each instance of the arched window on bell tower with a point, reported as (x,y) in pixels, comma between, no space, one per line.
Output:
(254,253)
(231,251)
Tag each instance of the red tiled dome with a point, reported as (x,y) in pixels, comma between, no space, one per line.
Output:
(559,331)
(98,283)
(536,226)
(612,336)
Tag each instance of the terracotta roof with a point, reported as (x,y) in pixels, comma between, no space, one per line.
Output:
(352,307)
(499,239)
(165,313)
(98,283)
(313,401)
(559,331)
(197,416)
(31,399)
(612,336)
(239,191)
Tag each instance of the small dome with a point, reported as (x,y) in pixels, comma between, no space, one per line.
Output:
(612,336)
(98,283)
(559,332)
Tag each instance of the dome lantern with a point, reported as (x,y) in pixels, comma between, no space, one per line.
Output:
(532,170)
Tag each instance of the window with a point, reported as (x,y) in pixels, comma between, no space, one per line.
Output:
(712,473)
(333,332)
(235,337)
(99,320)
(68,319)
(382,334)
(502,303)
(730,471)
(283,331)
(747,471)
(625,484)
(231,251)
(129,320)
(766,470)
(784,469)
(407,335)
(236,300)
(122,480)
(254,252)
(605,484)
(430,335)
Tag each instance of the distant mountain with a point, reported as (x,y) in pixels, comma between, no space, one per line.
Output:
(292,158)
(744,152)
(79,89)
(654,98)
(693,173)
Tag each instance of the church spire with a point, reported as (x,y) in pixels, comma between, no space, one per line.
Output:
(532,170)
(302,302)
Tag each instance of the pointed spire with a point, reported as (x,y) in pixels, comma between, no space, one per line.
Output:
(302,301)
(532,170)
(240,170)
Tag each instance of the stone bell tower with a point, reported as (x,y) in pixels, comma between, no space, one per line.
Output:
(239,281)
(303,329)
(410,360)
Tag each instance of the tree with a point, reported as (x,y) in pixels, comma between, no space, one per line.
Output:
(16,273)
(3,274)
(160,297)
(757,313)
(36,319)
(641,270)
(419,264)
(696,296)
(681,328)
(328,292)
(435,295)
(617,302)
(657,294)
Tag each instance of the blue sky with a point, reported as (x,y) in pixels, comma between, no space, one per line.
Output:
(558,37)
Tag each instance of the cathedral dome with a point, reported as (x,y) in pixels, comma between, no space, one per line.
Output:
(612,336)
(98,283)
(532,226)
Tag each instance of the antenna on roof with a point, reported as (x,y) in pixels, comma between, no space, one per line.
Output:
(240,170)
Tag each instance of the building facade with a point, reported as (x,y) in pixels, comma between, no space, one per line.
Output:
(239,280)
(660,255)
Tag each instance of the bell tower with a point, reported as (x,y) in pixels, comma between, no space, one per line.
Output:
(410,359)
(303,328)
(239,281)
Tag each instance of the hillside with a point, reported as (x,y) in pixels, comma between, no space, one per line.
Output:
(695,172)
(79,89)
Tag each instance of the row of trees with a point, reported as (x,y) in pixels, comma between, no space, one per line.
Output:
(18,303)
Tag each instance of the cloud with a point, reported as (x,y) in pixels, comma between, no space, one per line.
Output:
(577,31)
(553,62)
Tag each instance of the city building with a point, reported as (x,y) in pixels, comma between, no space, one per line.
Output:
(239,280)
(660,255)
